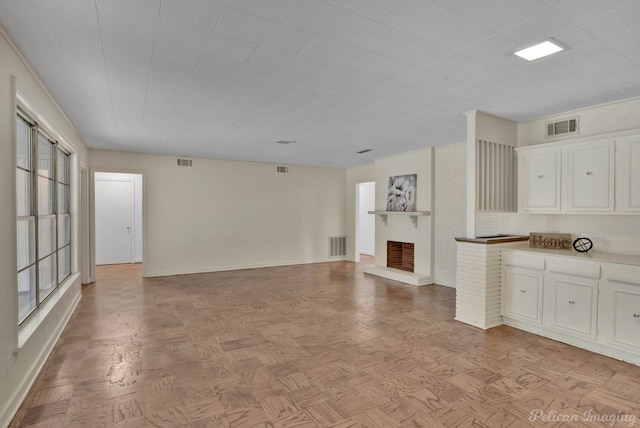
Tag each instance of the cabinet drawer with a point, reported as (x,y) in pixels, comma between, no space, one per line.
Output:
(512,258)
(617,273)
(586,269)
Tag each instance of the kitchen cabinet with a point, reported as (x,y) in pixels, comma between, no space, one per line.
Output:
(591,301)
(588,170)
(620,307)
(540,180)
(594,175)
(522,283)
(628,174)
(571,304)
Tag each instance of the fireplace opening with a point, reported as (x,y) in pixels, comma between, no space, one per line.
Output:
(400,255)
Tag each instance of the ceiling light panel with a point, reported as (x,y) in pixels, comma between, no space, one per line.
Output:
(546,48)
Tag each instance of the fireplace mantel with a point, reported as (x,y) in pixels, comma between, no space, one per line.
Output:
(412,214)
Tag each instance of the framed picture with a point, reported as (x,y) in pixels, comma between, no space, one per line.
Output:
(401,195)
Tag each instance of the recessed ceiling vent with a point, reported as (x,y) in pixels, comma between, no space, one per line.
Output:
(285,142)
(185,162)
(282,169)
(567,126)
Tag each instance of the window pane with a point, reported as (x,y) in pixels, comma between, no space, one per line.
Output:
(23,135)
(47,280)
(26,292)
(23,192)
(64,230)
(63,197)
(64,263)
(45,196)
(63,160)
(45,157)
(26,242)
(46,235)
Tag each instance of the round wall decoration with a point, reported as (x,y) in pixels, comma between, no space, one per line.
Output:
(582,245)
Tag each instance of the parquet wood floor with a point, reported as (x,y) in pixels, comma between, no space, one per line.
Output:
(308,346)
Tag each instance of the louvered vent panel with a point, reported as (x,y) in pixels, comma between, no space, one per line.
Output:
(337,246)
(567,126)
(282,169)
(496,179)
(185,162)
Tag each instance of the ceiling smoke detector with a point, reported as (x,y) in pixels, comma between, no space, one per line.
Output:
(285,141)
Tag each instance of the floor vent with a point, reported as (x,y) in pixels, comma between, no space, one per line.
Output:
(567,126)
(185,162)
(337,246)
(282,169)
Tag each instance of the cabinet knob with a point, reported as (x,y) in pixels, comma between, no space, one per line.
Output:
(589,173)
(572,301)
(636,315)
(541,176)
(522,290)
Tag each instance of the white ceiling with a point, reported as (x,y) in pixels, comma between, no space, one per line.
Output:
(226,78)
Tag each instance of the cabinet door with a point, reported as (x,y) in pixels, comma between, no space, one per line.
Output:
(589,177)
(628,174)
(540,180)
(522,294)
(620,308)
(570,304)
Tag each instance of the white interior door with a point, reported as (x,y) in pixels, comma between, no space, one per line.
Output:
(114,203)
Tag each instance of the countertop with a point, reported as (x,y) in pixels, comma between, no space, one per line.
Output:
(591,255)
(495,239)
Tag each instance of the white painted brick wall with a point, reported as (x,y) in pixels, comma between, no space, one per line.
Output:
(400,227)
(450,209)
(479,283)
(487,224)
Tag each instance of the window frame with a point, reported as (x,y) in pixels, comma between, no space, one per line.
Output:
(37,132)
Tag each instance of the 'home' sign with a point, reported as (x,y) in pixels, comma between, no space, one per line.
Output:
(559,241)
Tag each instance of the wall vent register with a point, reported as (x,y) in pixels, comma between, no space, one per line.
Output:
(567,126)
(337,246)
(282,169)
(185,162)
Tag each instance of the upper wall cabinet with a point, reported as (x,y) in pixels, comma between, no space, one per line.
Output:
(628,177)
(589,176)
(540,180)
(597,176)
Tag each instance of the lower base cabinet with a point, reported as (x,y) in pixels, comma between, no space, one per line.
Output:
(591,304)
(620,306)
(571,304)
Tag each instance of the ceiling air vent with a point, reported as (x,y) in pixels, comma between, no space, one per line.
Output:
(567,126)
(282,169)
(185,162)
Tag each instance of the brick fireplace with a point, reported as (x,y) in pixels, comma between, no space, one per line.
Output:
(400,255)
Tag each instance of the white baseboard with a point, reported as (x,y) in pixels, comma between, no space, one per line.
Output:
(151,274)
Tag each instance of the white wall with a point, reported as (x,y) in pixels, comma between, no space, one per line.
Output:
(366,221)
(400,228)
(355,175)
(220,215)
(137,207)
(602,119)
(18,370)
(450,209)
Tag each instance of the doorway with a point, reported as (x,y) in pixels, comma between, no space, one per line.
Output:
(118,218)
(365,222)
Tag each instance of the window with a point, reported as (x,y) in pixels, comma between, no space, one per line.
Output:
(44,221)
